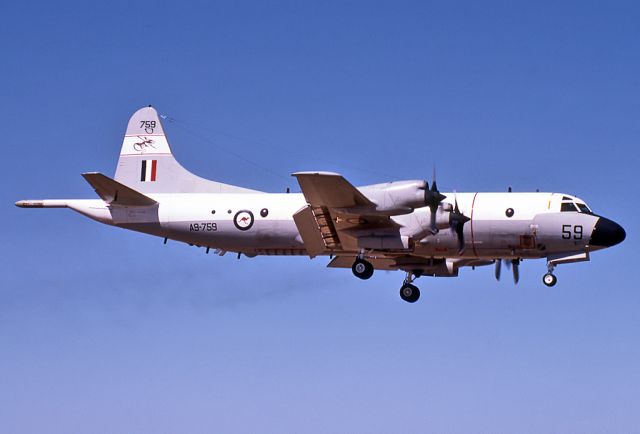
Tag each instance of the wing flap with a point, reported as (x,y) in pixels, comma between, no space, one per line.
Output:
(312,235)
(345,218)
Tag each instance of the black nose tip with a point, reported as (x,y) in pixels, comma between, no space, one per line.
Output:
(607,233)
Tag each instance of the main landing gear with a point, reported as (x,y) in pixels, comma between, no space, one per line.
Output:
(362,269)
(550,279)
(409,292)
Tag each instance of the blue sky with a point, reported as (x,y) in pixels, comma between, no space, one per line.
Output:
(104,330)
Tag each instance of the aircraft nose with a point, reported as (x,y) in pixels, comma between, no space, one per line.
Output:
(607,233)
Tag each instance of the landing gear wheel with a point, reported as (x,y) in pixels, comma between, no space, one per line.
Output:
(409,293)
(362,269)
(549,279)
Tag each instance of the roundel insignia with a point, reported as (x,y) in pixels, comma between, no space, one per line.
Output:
(243,220)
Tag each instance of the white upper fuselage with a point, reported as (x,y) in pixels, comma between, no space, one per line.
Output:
(526,225)
(399,225)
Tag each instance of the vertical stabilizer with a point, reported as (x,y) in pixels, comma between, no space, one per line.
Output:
(147,165)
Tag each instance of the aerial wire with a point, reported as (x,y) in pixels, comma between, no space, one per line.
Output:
(187,126)
(191,131)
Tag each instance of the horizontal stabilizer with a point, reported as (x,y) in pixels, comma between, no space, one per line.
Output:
(114,193)
(45,203)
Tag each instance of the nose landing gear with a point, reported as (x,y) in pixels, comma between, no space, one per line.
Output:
(550,279)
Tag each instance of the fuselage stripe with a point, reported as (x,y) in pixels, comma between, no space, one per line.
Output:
(473,243)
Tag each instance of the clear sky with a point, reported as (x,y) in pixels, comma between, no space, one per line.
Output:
(105,331)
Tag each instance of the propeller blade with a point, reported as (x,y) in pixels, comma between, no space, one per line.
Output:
(460,234)
(457,224)
(434,229)
(516,271)
(498,268)
(432,199)
(456,211)
(434,186)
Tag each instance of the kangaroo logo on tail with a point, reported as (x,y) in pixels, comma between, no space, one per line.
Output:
(143,144)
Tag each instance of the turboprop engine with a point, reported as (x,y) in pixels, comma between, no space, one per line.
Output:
(423,227)
(431,214)
(403,197)
(396,198)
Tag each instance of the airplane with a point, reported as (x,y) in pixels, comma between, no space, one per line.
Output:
(398,225)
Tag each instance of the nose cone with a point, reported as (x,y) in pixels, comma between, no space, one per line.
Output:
(607,233)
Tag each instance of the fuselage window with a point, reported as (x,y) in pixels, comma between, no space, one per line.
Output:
(568,207)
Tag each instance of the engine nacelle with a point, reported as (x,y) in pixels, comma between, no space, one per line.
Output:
(419,226)
(395,198)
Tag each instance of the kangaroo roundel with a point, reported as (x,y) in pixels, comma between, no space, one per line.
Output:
(243,220)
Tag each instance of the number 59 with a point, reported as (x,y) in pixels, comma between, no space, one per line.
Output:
(567,232)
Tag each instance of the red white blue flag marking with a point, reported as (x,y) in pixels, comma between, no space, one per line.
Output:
(148,172)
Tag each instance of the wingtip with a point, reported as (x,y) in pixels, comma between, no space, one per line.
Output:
(316,173)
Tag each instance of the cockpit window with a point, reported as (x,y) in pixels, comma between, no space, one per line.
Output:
(571,206)
(583,208)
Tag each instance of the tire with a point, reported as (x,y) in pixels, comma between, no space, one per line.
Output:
(362,269)
(549,279)
(409,293)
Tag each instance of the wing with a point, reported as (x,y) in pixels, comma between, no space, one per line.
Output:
(330,190)
(339,217)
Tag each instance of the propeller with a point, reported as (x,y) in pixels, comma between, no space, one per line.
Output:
(432,199)
(458,220)
(513,264)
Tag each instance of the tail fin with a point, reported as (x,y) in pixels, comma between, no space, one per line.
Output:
(147,165)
